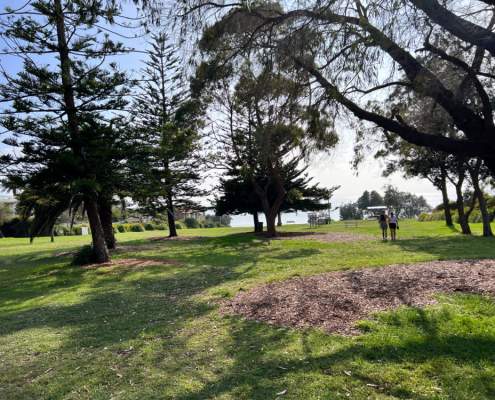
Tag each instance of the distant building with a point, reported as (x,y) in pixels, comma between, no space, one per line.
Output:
(375,212)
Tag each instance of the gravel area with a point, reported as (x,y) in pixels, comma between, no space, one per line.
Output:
(336,301)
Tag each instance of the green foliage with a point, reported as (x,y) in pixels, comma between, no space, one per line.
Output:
(350,211)
(84,256)
(149,227)
(178,225)
(136,228)
(16,227)
(191,223)
(121,228)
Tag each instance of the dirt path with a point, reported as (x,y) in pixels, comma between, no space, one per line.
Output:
(335,301)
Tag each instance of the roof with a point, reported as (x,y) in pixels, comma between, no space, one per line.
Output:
(377,208)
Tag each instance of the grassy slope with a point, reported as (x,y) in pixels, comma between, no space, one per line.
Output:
(154,332)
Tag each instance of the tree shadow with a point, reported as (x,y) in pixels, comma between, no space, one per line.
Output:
(448,247)
(262,368)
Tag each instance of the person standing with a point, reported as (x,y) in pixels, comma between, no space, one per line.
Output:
(393,224)
(382,220)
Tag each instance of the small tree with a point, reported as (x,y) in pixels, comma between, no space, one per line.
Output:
(166,164)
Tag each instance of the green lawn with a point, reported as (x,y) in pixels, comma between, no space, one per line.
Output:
(155,332)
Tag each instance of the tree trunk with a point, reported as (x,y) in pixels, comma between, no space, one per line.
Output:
(270,217)
(279,219)
(463,218)
(446,204)
(105,212)
(256,222)
(100,250)
(485,215)
(172,230)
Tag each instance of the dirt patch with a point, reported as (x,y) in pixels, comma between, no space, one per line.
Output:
(327,237)
(130,263)
(176,238)
(335,301)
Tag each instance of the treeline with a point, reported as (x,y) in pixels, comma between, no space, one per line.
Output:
(403,204)
(269,82)
(83,135)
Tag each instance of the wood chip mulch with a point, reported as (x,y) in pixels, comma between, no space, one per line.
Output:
(175,238)
(328,237)
(335,301)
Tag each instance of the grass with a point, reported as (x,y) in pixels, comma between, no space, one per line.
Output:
(155,332)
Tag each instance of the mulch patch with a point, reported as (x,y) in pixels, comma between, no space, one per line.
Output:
(327,237)
(176,238)
(335,301)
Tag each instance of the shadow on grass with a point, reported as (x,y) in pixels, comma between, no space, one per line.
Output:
(449,247)
(262,368)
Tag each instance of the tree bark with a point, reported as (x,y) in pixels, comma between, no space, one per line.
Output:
(100,250)
(271,229)
(256,222)
(172,230)
(105,212)
(446,203)
(478,192)
(279,219)
(463,218)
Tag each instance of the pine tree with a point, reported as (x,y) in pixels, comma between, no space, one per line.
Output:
(167,121)
(57,107)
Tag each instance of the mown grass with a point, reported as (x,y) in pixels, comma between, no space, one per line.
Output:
(155,332)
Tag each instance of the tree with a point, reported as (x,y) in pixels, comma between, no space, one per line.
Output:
(166,163)
(405,205)
(364,201)
(52,106)
(238,197)
(342,43)
(266,129)
(375,199)
(350,211)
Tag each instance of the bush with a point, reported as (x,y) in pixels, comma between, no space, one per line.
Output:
(178,225)
(136,228)
(191,223)
(16,227)
(121,228)
(84,256)
(160,227)
(149,227)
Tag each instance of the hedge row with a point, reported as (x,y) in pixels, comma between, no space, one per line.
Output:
(138,227)
(474,217)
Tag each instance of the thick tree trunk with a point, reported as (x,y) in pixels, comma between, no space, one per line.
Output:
(105,212)
(100,250)
(270,217)
(279,219)
(172,230)
(256,222)
(446,204)
(463,218)
(485,215)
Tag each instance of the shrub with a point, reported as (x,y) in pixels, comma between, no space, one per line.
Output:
(84,256)
(178,225)
(191,223)
(149,227)
(16,227)
(160,227)
(121,228)
(136,228)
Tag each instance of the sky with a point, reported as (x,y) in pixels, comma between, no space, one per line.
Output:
(327,169)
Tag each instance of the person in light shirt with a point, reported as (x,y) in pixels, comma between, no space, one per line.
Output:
(393,224)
